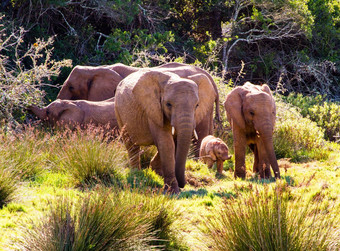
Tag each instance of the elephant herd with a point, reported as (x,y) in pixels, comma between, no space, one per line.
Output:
(169,106)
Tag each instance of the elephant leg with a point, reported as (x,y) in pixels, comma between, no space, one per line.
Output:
(219,165)
(240,144)
(133,150)
(166,151)
(156,164)
(256,167)
(263,161)
(203,129)
(209,162)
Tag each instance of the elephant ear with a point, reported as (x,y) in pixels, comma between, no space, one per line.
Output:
(206,95)
(147,92)
(233,106)
(103,83)
(266,89)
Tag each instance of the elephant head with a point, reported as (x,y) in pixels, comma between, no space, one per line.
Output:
(90,83)
(251,112)
(170,105)
(63,112)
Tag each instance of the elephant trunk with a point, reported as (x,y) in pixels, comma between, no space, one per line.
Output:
(267,139)
(39,112)
(184,134)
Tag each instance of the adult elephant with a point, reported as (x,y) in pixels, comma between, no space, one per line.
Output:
(94,83)
(162,109)
(251,112)
(71,113)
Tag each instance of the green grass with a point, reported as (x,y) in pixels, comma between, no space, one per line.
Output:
(83,184)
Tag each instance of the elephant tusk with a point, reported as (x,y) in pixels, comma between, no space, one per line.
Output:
(173,131)
(195,134)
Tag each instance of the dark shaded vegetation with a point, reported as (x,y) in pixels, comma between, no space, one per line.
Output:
(291,45)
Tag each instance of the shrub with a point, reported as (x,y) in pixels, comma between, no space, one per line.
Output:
(271,220)
(23,72)
(327,116)
(297,137)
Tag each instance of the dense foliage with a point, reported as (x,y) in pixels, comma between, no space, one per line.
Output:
(291,45)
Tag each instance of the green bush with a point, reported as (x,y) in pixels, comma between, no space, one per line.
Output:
(297,137)
(327,116)
(270,220)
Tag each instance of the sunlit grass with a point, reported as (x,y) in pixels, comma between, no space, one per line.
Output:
(270,219)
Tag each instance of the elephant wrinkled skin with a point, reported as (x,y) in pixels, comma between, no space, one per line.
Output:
(70,113)
(251,111)
(162,109)
(214,150)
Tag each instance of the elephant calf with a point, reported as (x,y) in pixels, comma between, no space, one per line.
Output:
(214,150)
(70,113)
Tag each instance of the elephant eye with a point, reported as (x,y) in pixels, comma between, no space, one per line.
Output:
(252,113)
(168,105)
(47,112)
(196,106)
(71,88)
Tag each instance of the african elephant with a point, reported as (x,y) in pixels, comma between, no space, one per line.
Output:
(214,150)
(99,83)
(70,113)
(162,109)
(90,83)
(251,111)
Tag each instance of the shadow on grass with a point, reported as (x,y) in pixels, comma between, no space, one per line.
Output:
(193,193)
(290,180)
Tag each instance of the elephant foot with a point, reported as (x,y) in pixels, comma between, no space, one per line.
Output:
(240,172)
(171,187)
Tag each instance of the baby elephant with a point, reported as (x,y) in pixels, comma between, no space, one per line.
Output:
(70,113)
(214,150)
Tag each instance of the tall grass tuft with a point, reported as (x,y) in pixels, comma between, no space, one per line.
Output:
(93,222)
(271,220)
(92,157)
(8,183)
(105,219)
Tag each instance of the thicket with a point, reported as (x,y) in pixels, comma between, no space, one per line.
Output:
(291,45)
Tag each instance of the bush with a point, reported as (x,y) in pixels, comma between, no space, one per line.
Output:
(297,137)
(23,72)
(271,220)
(144,178)
(326,114)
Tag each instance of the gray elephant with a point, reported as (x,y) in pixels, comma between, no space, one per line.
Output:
(162,109)
(251,111)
